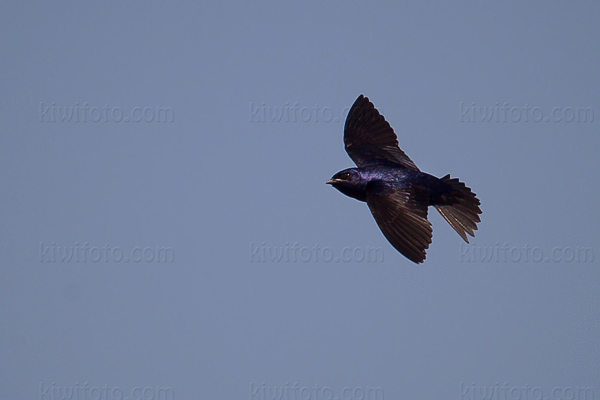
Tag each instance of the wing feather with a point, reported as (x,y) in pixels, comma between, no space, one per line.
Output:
(369,138)
(401,214)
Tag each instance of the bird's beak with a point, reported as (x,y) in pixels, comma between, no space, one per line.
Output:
(332,181)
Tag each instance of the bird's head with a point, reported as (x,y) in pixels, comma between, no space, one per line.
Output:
(350,182)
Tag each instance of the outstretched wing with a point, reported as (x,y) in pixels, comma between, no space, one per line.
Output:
(369,138)
(401,214)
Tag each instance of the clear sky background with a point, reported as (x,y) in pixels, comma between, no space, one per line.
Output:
(209,173)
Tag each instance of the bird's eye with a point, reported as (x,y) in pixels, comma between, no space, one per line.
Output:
(345,176)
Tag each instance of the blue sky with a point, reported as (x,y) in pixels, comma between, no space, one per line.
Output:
(167,230)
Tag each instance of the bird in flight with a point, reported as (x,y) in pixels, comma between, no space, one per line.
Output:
(396,191)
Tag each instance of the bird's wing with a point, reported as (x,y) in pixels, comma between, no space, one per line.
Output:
(401,214)
(369,138)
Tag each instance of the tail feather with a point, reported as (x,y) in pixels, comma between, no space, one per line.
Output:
(460,208)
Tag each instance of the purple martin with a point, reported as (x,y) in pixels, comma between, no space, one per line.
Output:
(396,191)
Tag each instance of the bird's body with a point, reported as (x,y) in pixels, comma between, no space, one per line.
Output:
(396,191)
(393,176)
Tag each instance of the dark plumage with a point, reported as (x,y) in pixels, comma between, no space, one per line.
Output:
(396,191)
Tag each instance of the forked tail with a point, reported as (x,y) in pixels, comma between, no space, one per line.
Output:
(459,207)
